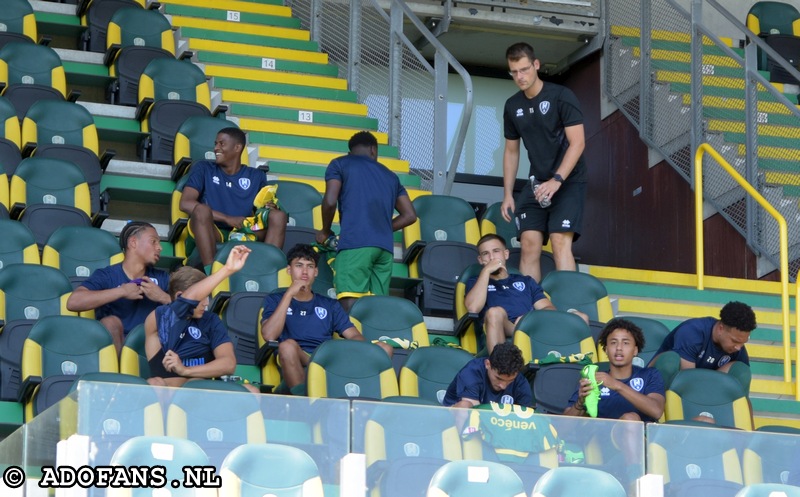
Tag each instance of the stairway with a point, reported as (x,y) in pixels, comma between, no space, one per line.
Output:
(671,298)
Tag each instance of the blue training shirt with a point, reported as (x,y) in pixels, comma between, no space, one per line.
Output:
(366,201)
(194,340)
(612,405)
(692,341)
(231,195)
(516,294)
(309,323)
(472,382)
(131,312)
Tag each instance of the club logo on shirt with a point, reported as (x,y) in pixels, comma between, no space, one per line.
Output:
(723,361)
(244,183)
(519,112)
(289,311)
(605,391)
(194,332)
(215,180)
(507,399)
(544,107)
(154,281)
(491,288)
(321,312)
(637,384)
(519,285)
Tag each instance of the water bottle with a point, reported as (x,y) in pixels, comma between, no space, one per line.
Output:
(332,243)
(236,236)
(544,202)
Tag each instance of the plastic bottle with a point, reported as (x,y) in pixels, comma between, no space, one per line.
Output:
(544,202)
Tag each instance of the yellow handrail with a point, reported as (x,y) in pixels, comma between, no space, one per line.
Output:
(784,246)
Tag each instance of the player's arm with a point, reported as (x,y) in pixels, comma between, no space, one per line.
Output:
(475,299)
(352,333)
(224,363)
(406,214)
(329,201)
(577,144)
(83,299)
(510,167)
(152,344)
(651,404)
(203,288)
(190,198)
(544,305)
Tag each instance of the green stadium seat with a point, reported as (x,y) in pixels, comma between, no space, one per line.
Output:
(351,369)
(471,478)
(282,471)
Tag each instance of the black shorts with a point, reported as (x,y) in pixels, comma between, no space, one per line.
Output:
(157,367)
(564,215)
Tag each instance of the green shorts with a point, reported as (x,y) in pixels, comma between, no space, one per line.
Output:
(362,271)
(190,244)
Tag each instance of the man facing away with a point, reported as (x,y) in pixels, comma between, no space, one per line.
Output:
(367,194)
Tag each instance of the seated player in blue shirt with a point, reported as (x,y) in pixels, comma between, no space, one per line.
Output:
(219,195)
(712,343)
(495,379)
(183,340)
(626,391)
(502,298)
(123,294)
(300,320)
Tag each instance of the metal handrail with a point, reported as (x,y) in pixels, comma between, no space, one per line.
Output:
(703,149)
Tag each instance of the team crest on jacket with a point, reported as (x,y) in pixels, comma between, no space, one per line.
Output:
(321,312)
(637,384)
(544,107)
(519,285)
(244,183)
(194,332)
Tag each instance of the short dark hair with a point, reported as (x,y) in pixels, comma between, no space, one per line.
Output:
(362,139)
(302,251)
(738,315)
(520,50)
(626,325)
(492,236)
(506,358)
(132,229)
(182,278)
(235,133)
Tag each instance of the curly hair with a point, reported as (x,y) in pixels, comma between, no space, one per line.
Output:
(506,358)
(626,325)
(304,252)
(738,315)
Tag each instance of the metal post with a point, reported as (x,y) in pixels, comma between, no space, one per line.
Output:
(395,72)
(354,48)
(697,135)
(645,78)
(751,141)
(440,125)
(315,18)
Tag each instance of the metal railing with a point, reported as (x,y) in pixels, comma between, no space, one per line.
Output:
(703,149)
(407,94)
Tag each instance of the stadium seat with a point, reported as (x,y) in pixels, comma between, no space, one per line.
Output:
(179,221)
(475,479)
(515,437)
(135,37)
(48,181)
(95,15)
(119,407)
(384,316)
(576,482)
(10,136)
(264,271)
(439,266)
(405,445)
(301,201)
(581,291)
(654,333)
(44,219)
(240,314)
(772,18)
(32,291)
(467,327)
(17,22)
(31,73)
(61,123)
(695,461)
(769,490)
(17,245)
(77,251)
(697,391)
(220,420)
(194,141)
(132,357)
(428,371)
(771,458)
(553,386)
(351,369)
(57,351)
(173,453)
(12,338)
(170,91)
(539,333)
(282,470)
(492,222)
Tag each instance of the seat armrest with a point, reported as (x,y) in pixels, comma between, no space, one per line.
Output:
(111,54)
(108,154)
(16,210)
(219,109)
(29,384)
(176,229)
(265,352)
(99,216)
(74,95)
(218,301)
(45,40)
(179,169)
(186,55)
(143,107)
(413,251)
(466,320)
(27,149)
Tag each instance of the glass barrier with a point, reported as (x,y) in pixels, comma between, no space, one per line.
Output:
(214,437)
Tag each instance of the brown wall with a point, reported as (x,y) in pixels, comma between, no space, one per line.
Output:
(651,230)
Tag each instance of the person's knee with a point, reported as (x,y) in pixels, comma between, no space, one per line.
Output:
(561,242)
(157,381)
(495,315)
(277,218)
(114,326)
(202,214)
(289,351)
(630,416)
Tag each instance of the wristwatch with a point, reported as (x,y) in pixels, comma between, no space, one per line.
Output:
(558,178)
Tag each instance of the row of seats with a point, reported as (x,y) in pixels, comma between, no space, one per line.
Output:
(778,24)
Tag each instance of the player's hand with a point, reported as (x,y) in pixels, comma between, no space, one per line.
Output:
(237,257)
(132,291)
(547,190)
(323,235)
(151,290)
(507,209)
(494,265)
(172,363)
(296,287)
(235,221)
(608,381)
(584,388)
